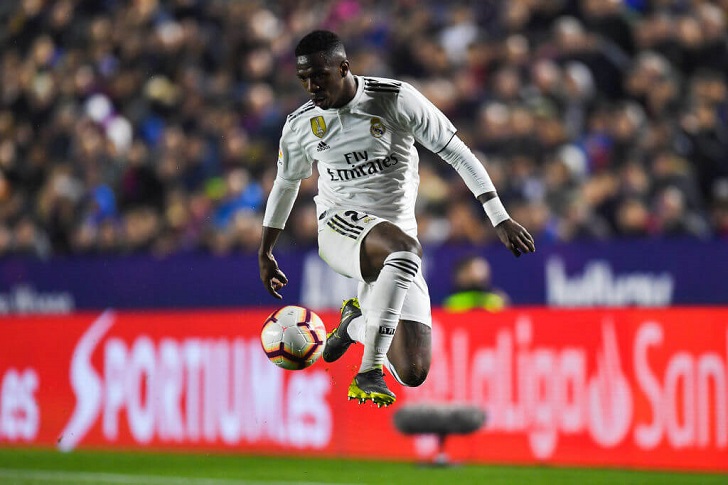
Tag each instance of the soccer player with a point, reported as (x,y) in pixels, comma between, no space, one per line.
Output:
(361,131)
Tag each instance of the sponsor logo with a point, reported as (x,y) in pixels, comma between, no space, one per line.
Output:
(19,411)
(361,166)
(377,128)
(598,285)
(191,390)
(386,330)
(318,126)
(322,146)
(25,299)
(660,397)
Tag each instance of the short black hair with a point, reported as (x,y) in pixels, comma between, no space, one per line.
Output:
(320,41)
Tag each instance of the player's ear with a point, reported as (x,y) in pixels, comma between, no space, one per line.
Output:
(344,68)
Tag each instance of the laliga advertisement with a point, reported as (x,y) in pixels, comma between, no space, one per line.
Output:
(627,387)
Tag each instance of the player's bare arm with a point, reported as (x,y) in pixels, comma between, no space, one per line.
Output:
(514,236)
(270,274)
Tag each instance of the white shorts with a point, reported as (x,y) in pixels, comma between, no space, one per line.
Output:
(340,236)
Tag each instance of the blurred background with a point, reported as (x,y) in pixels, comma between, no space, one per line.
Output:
(138,142)
(151,126)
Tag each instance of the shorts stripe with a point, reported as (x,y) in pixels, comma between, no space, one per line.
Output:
(341,226)
(352,230)
(347,223)
(343,232)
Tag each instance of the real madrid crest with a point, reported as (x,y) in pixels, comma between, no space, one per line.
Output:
(377,128)
(318,126)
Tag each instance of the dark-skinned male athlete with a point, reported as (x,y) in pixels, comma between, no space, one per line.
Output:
(361,133)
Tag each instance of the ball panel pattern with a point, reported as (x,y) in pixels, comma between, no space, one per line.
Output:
(293,337)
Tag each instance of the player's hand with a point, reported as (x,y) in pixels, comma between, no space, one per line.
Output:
(515,237)
(272,277)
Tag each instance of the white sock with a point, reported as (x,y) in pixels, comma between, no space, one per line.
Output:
(356,329)
(385,306)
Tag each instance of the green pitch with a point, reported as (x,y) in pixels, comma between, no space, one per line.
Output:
(46,467)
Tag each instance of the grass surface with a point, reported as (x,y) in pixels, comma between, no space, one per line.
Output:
(31,467)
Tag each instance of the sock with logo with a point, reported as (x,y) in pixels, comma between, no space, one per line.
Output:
(356,330)
(385,306)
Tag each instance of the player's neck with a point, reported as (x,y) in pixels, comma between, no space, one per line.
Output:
(352,85)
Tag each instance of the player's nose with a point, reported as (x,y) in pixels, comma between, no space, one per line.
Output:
(310,86)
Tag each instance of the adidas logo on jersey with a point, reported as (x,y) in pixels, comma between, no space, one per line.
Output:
(322,146)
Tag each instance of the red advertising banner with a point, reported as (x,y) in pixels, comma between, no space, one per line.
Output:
(628,388)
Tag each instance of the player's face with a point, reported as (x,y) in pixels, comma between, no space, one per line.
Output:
(324,79)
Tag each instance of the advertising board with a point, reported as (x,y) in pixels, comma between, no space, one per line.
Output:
(624,387)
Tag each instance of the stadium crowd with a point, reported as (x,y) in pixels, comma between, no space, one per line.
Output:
(152,125)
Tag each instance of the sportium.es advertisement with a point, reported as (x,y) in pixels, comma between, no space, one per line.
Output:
(627,388)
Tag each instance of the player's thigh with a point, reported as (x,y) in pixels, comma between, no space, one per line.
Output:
(383,240)
(340,237)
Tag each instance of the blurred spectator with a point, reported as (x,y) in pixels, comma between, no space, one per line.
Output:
(674,218)
(141,225)
(153,126)
(473,289)
(304,225)
(579,221)
(579,94)
(139,183)
(6,241)
(240,194)
(465,223)
(30,239)
(719,211)
(633,218)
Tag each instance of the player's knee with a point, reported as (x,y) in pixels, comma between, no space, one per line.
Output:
(406,243)
(414,375)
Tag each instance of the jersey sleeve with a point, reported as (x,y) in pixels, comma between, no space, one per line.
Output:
(293,163)
(427,123)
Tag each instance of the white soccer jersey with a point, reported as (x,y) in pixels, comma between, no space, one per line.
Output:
(365,150)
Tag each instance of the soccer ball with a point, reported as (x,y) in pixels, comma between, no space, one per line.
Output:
(293,337)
